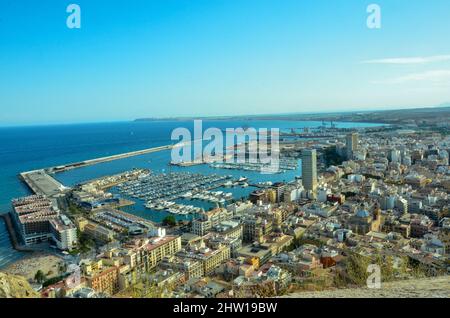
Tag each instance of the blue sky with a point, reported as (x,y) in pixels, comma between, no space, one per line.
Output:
(159,58)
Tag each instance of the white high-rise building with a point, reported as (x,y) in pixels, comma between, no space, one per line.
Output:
(64,233)
(395,156)
(309,169)
(402,205)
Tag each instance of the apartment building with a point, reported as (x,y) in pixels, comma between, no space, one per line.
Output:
(207,220)
(38,221)
(189,267)
(100,276)
(146,254)
(209,258)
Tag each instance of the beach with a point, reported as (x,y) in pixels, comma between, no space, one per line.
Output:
(28,266)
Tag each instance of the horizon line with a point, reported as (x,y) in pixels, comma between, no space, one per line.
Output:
(206,117)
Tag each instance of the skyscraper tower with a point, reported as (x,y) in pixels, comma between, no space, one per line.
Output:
(351,144)
(309,169)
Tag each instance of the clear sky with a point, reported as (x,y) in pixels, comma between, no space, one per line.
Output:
(160,58)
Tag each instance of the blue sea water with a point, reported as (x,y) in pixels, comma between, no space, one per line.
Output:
(28,148)
(7,253)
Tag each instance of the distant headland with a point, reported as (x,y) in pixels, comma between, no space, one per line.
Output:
(396,116)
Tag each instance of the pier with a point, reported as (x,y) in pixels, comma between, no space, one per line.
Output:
(41,182)
(91,162)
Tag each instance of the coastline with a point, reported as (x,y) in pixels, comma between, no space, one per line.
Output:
(382,116)
(6,217)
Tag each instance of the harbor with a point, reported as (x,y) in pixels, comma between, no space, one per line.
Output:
(186,191)
(181,193)
(42,182)
(170,186)
(159,191)
(173,208)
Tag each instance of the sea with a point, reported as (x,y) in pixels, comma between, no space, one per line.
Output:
(27,148)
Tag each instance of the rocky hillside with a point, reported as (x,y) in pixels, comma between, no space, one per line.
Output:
(417,288)
(12,286)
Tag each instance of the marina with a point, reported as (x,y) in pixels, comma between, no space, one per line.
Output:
(213,196)
(170,186)
(42,182)
(159,191)
(173,208)
(284,164)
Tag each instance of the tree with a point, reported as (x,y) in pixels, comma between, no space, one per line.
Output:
(85,242)
(355,271)
(75,210)
(53,280)
(332,158)
(169,221)
(39,277)
(148,289)
(62,268)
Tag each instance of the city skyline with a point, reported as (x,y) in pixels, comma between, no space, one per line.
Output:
(221,58)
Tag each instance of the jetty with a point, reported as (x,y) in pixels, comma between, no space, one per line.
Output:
(91,162)
(42,182)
